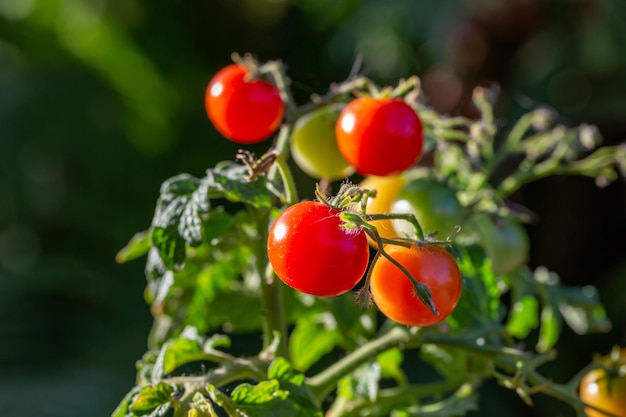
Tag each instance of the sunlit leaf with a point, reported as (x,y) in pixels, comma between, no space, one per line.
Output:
(524,316)
(150,398)
(310,340)
(550,329)
(138,246)
(390,362)
(265,399)
(229,179)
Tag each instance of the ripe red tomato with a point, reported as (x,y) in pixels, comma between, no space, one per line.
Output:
(244,111)
(379,136)
(314,145)
(604,391)
(310,252)
(393,291)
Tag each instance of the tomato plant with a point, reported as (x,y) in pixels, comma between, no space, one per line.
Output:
(243,110)
(380,136)
(393,292)
(221,247)
(434,204)
(605,390)
(311,252)
(314,144)
(505,242)
(386,190)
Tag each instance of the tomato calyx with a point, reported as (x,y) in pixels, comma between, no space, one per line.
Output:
(351,201)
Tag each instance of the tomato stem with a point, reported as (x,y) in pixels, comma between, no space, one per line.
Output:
(272,304)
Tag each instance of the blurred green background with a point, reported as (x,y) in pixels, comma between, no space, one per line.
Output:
(102,100)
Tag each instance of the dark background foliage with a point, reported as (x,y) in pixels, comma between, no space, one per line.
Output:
(102,100)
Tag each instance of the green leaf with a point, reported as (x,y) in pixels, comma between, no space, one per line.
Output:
(229,179)
(171,246)
(582,310)
(362,382)
(390,362)
(204,405)
(524,316)
(138,246)
(480,303)
(281,370)
(217,224)
(460,403)
(292,382)
(448,361)
(550,329)
(150,398)
(178,216)
(265,399)
(312,338)
(181,351)
(123,408)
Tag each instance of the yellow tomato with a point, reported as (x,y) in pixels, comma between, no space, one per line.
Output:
(606,391)
(386,190)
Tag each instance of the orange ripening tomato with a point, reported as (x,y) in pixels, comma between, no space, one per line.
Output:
(244,111)
(393,291)
(605,391)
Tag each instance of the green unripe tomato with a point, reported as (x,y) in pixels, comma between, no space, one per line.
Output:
(314,145)
(435,206)
(505,242)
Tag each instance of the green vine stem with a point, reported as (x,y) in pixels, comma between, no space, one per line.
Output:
(389,397)
(272,305)
(323,383)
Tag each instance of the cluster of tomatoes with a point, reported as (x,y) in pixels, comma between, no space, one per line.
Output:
(380,138)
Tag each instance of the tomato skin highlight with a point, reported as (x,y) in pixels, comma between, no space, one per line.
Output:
(243,111)
(393,292)
(314,144)
(311,253)
(380,136)
(594,390)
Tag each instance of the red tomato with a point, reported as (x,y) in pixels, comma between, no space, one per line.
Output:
(244,111)
(310,252)
(380,136)
(393,291)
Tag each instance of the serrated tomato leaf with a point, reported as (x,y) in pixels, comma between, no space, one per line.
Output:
(150,398)
(170,245)
(292,382)
(229,179)
(123,408)
(265,399)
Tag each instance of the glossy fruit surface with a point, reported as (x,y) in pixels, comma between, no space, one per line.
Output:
(393,291)
(314,144)
(505,242)
(435,206)
(244,111)
(604,391)
(379,136)
(310,252)
(386,190)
